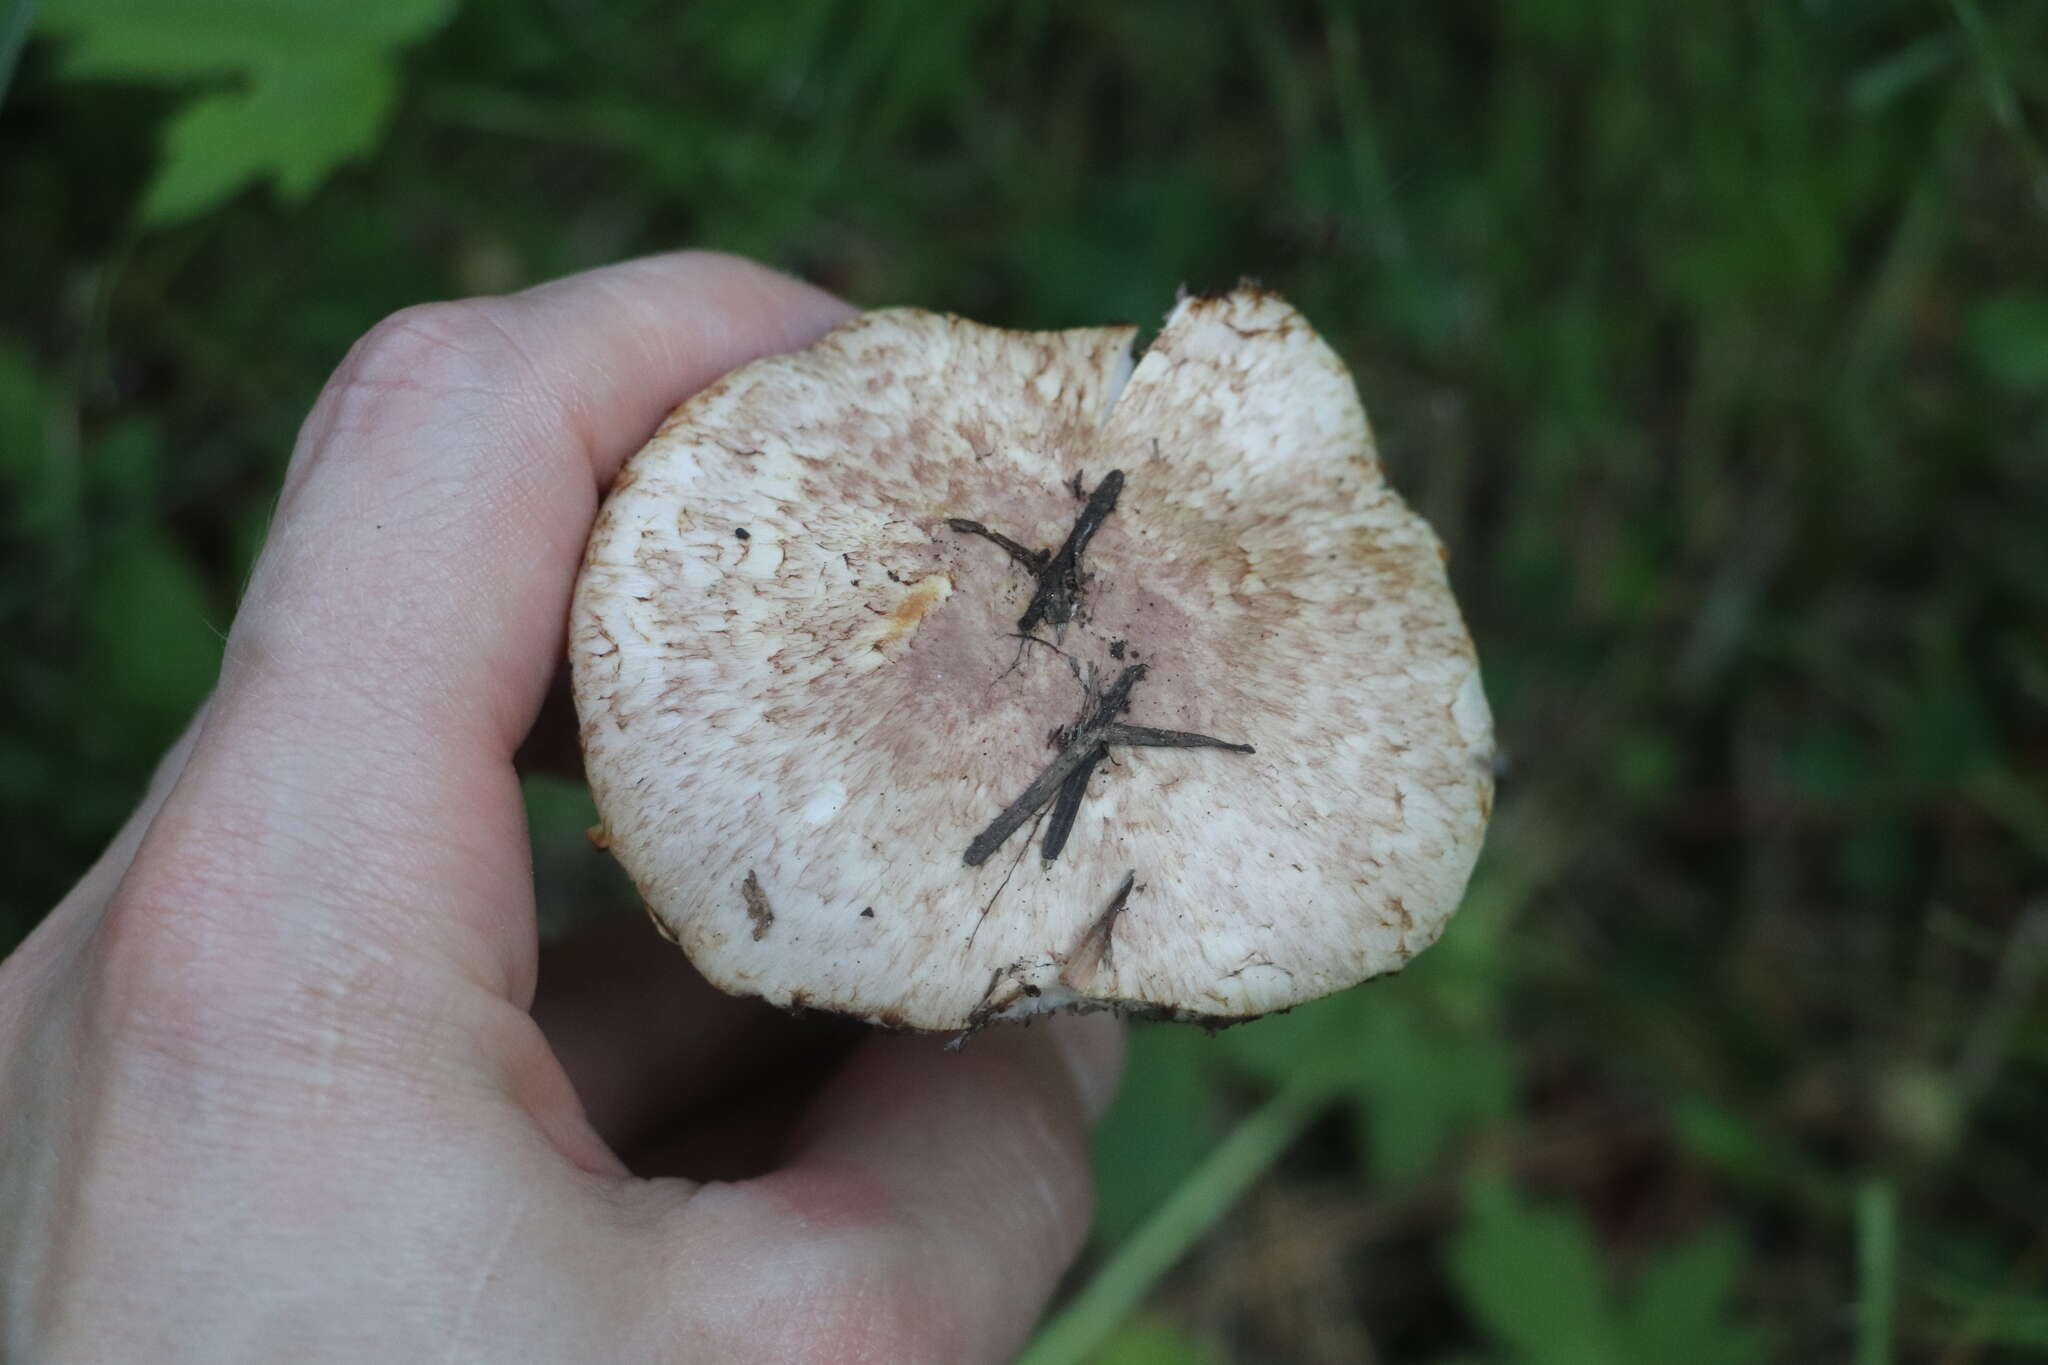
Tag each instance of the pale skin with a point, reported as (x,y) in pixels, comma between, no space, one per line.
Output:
(288,1076)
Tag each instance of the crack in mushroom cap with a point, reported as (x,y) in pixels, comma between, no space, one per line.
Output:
(793,733)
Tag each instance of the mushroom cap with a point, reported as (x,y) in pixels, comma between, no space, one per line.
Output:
(803,694)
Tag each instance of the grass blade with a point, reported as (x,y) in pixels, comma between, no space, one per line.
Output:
(1877,1257)
(1122,1283)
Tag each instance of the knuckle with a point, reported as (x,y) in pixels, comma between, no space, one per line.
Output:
(427,380)
(459,342)
(431,358)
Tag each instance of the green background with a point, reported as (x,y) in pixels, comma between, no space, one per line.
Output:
(1712,338)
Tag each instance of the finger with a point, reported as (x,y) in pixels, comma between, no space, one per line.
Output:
(643,1037)
(932,1199)
(354,794)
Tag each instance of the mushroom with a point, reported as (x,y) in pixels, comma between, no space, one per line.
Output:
(940,674)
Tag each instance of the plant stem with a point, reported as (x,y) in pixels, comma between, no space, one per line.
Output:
(1877,1254)
(1203,1199)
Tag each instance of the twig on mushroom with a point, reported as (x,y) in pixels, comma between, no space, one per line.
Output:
(1032,560)
(1059,572)
(1065,779)
(1001,887)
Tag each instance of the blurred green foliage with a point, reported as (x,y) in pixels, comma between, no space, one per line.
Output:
(1533,1277)
(312,84)
(1713,339)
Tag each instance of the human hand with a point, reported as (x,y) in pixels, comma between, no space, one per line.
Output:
(276,1085)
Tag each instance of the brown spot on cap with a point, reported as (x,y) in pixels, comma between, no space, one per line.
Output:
(758,909)
(925,594)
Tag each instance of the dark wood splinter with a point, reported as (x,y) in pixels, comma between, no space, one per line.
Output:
(1064,782)
(1059,571)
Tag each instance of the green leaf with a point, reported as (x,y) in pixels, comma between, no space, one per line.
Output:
(1421,1060)
(1532,1277)
(294,130)
(313,84)
(1422,1082)
(1681,1302)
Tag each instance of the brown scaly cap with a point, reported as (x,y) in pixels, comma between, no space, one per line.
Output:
(806,702)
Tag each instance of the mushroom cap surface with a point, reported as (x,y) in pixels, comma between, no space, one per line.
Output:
(803,693)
